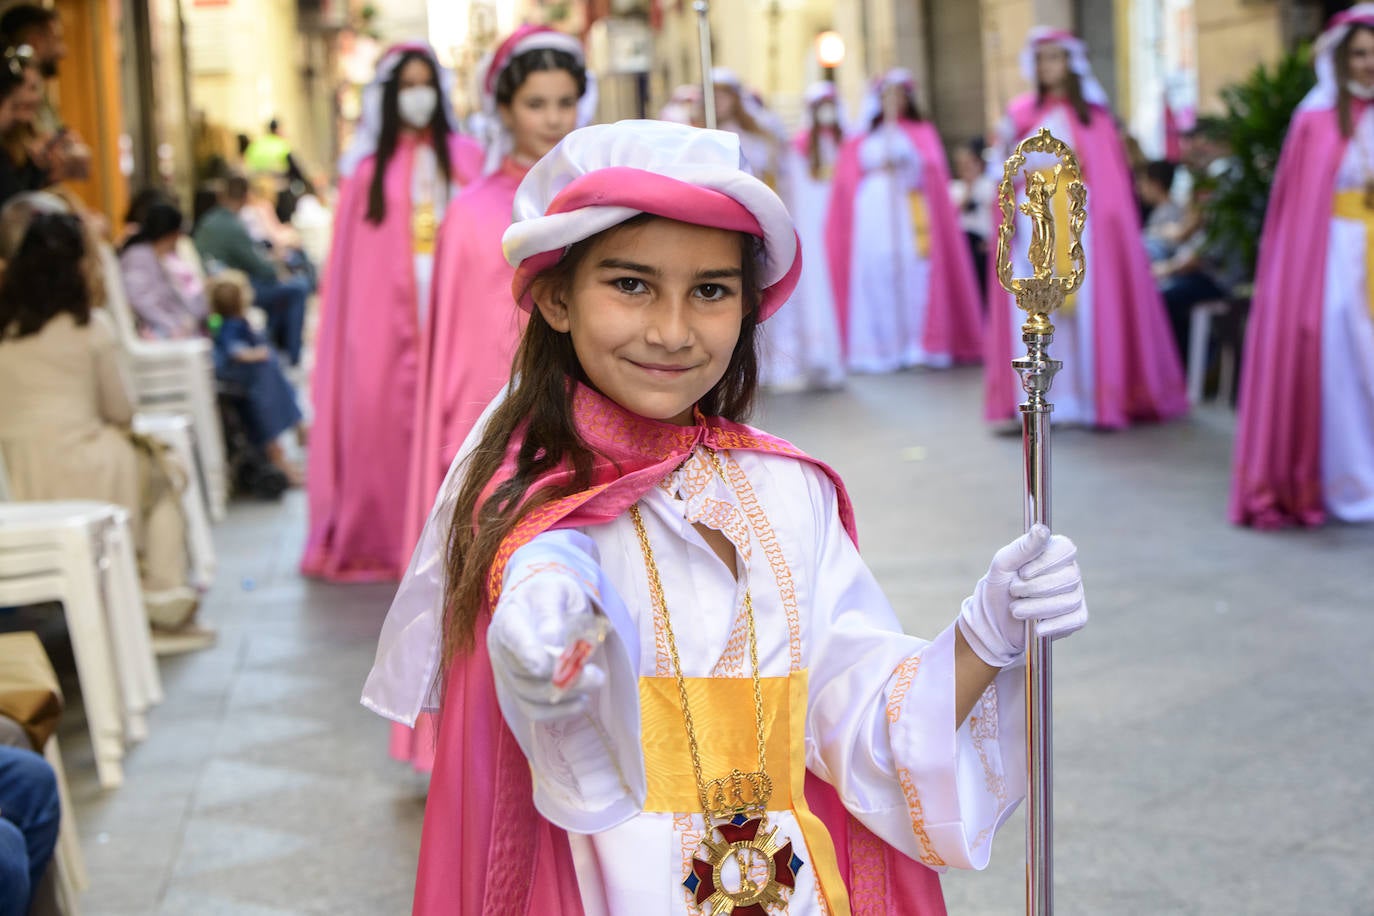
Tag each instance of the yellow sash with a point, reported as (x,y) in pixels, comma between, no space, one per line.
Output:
(723,713)
(424,228)
(1355,205)
(920,222)
(1063,267)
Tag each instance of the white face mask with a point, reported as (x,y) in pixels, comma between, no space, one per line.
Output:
(825,116)
(1360,90)
(416,105)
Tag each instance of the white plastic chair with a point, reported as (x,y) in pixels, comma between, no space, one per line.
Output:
(1199,340)
(174,430)
(175,376)
(81,553)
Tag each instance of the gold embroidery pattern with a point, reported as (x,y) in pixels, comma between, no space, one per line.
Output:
(982,726)
(905,672)
(867,872)
(768,540)
(533,524)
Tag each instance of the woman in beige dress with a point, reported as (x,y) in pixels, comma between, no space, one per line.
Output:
(68,404)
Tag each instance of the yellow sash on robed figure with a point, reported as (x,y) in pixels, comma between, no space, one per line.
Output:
(1355,205)
(723,714)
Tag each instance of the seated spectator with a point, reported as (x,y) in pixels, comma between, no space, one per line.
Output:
(259,217)
(973,193)
(20,150)
(1163,218)
(244,361)
(30,816)
(224,242)
(68,405)
(165,295)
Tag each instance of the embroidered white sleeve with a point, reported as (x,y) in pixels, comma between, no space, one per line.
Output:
(880,726)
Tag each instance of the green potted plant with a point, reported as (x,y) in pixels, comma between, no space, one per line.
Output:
(1258,110)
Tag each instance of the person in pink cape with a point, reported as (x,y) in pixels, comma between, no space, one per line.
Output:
(902,277)
(801,345)
(1305,439)
(535,90)
(1120,362)
(398,178)
(626,595)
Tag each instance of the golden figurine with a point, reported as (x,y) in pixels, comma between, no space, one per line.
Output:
(1039,207)
(1043,291)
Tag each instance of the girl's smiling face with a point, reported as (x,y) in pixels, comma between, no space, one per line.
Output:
(654,312)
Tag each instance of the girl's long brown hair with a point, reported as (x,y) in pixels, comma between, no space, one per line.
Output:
(538,411)
(1343,97)
(1073,91)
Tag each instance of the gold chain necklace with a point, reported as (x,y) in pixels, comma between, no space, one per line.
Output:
(739,799)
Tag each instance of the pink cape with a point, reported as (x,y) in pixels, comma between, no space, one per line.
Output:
(954,320)
(1276,470)
(1137,371)
(364,379)
(485,849)
(474,328)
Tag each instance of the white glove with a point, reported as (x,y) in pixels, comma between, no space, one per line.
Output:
(1035,577)
(536,619)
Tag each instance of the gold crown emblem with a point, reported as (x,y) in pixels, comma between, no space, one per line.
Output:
(737,792)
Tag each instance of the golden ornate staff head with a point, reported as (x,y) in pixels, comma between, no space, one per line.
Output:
(1043,291)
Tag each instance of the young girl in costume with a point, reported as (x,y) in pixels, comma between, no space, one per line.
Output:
(902,278)
(1120,362)
(405,163)
(633,607)
(801,346)
(1305,445)
(535,89)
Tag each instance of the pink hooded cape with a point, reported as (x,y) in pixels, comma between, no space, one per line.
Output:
(1276,469)
(475,330)
(364,380)
(485,850)
(1138,374)
(954,321)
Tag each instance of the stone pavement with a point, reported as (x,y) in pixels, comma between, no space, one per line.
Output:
(1213,747)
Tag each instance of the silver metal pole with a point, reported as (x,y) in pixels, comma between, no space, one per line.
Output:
(1037,374)
(708,84)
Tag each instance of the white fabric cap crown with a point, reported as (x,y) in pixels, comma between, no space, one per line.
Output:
(708,159)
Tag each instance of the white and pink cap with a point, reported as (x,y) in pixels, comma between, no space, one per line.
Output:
(1078,61)
(527,38)
(1327,91)
(601,176)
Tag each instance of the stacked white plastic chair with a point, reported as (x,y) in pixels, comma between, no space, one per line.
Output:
(176,376)
(81,553)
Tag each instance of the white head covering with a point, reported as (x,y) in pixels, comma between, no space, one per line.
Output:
(763,116)
(872,104)
(1078,61)
(1327,91)
(498,140)
(369,127)
(818,92)
(564,200)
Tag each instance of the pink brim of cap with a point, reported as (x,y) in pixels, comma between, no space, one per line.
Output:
(660,195)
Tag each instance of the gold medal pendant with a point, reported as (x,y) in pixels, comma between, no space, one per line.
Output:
(746,872)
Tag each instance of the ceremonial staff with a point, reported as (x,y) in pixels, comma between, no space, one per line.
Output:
(1039,295)
(708,83)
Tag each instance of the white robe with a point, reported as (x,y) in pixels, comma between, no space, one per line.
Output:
(1348,348)
(1074,392)
(801,341)
(880,717)
(889,281)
